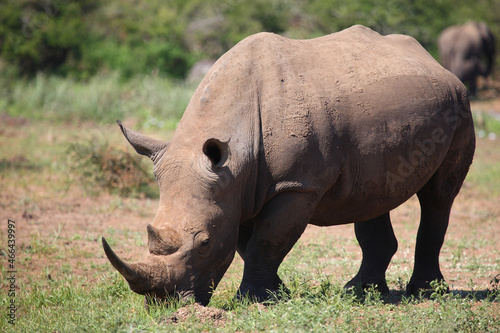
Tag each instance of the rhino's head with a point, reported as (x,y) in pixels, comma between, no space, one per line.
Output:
(192,239)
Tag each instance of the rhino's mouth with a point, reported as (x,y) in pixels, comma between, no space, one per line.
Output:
(155,298)
(161,298)
(202,297)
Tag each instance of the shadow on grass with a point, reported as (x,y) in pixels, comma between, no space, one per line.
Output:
(397,297)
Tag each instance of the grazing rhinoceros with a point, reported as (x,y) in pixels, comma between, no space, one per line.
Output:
(468,51)
(284,133)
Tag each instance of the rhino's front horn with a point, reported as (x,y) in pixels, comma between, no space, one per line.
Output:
(125,269)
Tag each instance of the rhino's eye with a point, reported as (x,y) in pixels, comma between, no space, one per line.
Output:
(202,242)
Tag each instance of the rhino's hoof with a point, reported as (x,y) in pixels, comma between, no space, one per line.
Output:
(426,287)
(360,287)
(261,295)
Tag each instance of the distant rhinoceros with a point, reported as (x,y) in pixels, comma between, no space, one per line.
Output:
(284,133)
(468,51)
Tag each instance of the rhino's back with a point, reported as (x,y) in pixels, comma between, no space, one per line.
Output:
(357,55)
(340,113)
(340,81)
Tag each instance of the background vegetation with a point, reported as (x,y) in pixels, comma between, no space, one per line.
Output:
(102,60)
(82,37)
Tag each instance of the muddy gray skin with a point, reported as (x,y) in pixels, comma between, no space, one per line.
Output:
(468,51)
(284,133)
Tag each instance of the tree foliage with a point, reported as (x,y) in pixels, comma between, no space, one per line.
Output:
(82,37)
(44,35)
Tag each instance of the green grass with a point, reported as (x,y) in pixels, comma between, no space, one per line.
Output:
(486,123)
(155,101)
(61,301)
(485,169)
(484,172)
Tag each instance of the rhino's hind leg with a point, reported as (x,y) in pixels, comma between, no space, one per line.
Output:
(436,199)
(378,244)
(433,224)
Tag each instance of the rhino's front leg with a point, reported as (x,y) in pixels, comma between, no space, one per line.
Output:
(263,247)
(245,233)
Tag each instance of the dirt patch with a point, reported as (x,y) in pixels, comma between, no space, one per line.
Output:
(11,121)
(64,234)
(202,313)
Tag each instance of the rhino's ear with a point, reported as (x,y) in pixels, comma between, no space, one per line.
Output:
(142,144)
(216,151)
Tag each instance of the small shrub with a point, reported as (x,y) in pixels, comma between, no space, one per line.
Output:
(102,167)
(440,290)
(495,283)
(372,295)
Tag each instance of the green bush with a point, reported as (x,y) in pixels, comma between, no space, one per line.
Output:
(44,35)
(143,57)
(422,19)
(82,37)
(99,166)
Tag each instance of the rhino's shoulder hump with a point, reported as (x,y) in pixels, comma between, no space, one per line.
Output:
(259,40)
(358,30)
(404,40)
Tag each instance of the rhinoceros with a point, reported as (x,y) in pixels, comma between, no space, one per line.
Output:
(284,133)
(468,51)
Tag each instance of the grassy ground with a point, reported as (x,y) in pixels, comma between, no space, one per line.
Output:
(154,102)
(64,283)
